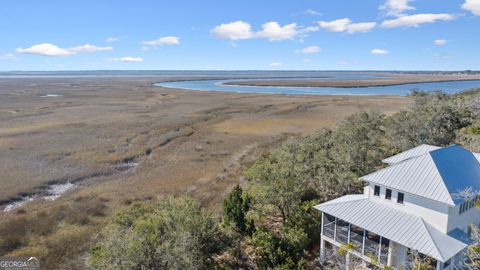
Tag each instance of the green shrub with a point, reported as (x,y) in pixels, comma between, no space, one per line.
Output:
(279,252)
(235,208)
(173,234)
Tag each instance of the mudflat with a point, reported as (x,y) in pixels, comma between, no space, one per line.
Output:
(387,80)
(125,139)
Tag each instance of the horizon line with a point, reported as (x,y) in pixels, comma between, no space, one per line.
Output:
(266,70)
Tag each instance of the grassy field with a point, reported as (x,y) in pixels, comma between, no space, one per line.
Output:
(122,140)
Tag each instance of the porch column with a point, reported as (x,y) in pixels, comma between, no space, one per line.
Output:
(349,232)
(391,253)
(363,241)
(347,261)
(379,250)
(439,265)
(335,230)
(322,250)
(322,241)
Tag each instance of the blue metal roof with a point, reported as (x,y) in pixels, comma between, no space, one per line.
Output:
(458,168)
(460,236)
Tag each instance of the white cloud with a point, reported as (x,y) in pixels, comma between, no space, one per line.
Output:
(48,49)
(8,56)
(234,31)
(345,24)
(111,39)
(339,25)
(276,64)
(440,42)
(309,29)
(45,49)
(168,40)
(127,59)
(416,20)
(396,7)
(88,48)
(275,32)
(472,6)
(360,27)
(312,12)
(309,50)
(307,60)
(379,51)
(272,31)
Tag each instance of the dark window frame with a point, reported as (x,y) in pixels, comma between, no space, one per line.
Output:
(388,194)
(376,190)
(400,198)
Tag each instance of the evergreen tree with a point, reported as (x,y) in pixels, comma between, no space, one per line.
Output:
(235,208)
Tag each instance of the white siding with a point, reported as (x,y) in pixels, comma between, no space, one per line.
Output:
(462,221)
(431,211)
(418,176)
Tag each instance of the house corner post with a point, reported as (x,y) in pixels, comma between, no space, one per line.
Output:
(322,242)
(347,261)
(322,250)
(391,254)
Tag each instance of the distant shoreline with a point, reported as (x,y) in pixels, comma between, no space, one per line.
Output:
(400,79)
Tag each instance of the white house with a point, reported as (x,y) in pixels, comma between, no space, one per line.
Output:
(409,207)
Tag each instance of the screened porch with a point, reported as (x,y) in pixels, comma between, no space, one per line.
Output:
(364,242)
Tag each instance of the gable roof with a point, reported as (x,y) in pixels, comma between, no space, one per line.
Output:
(436,175)
(399,226)
(414,152)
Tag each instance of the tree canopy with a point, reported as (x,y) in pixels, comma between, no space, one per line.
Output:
(173,234)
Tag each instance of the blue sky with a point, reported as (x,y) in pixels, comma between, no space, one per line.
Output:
(246,34)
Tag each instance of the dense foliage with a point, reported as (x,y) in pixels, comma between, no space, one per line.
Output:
(173,234)
(235,208)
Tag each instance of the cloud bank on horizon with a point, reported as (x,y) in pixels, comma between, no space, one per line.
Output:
(392,28)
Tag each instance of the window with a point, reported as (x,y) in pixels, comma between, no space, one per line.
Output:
(467,205)
(388,194)
(400,197)
(376,191)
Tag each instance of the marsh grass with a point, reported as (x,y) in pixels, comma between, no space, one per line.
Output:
(54,235)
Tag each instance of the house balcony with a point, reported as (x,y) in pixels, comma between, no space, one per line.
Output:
(370,247)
